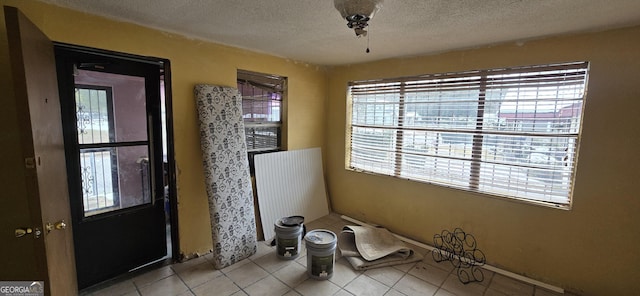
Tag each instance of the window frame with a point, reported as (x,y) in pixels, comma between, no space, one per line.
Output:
(477,132)
(271,84)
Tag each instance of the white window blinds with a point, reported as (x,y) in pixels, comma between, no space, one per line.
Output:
(507,132)
(262,109)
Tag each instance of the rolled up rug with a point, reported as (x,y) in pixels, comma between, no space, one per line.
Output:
(368,247)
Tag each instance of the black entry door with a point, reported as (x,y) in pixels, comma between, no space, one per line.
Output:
(113,141)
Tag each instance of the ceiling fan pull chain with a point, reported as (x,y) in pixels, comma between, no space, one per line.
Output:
(367,51)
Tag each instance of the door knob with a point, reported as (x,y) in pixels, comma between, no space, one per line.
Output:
(20,232)
(60,225)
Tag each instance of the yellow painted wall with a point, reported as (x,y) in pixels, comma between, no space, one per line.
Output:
(192,62)
(591,249)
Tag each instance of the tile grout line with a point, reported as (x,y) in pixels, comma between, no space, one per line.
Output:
(136,286)
(271,274)
(489,284)
(440,287)
(395,282)
(182,280)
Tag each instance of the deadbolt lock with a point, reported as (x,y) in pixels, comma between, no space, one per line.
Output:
(60,225)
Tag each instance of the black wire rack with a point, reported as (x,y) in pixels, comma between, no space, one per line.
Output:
(461,249)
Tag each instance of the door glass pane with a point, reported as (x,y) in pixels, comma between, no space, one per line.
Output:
(110,108)
(98,180)
(93,114)
(134,175)
(111,126)
(114,178)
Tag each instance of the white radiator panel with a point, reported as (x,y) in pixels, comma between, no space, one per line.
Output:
(290,183)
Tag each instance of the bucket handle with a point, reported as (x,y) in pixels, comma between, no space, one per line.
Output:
(296,221)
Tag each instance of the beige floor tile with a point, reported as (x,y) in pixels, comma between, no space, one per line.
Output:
(247,274)
(334,218)
(336,228)
(411,285)
(180,266)
(234,266)
(386,275)
(317,224)
(292,274)
(312,287)
(343,292)
(302,260)
(453,285)
(271,262)
(263,248)
(303,249)
(169,286)
(121,288)
(429,273)
(266,287)
(292,293)
(443,292)
(364,285)
(544,292)
(199,274)
(393,292)
(209,256)
(405,267)
(153,276)
(510,286)
(266,274)
(483,276)
(220,286)
(492,292)
(488,276)
(343,273)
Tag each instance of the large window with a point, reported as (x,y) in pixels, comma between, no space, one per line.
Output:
(506,132)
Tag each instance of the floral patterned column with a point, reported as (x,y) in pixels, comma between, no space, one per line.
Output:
(226,171)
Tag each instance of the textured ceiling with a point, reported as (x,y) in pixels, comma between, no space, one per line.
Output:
(312,30)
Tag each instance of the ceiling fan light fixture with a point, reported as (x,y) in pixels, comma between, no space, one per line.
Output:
(358,13)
